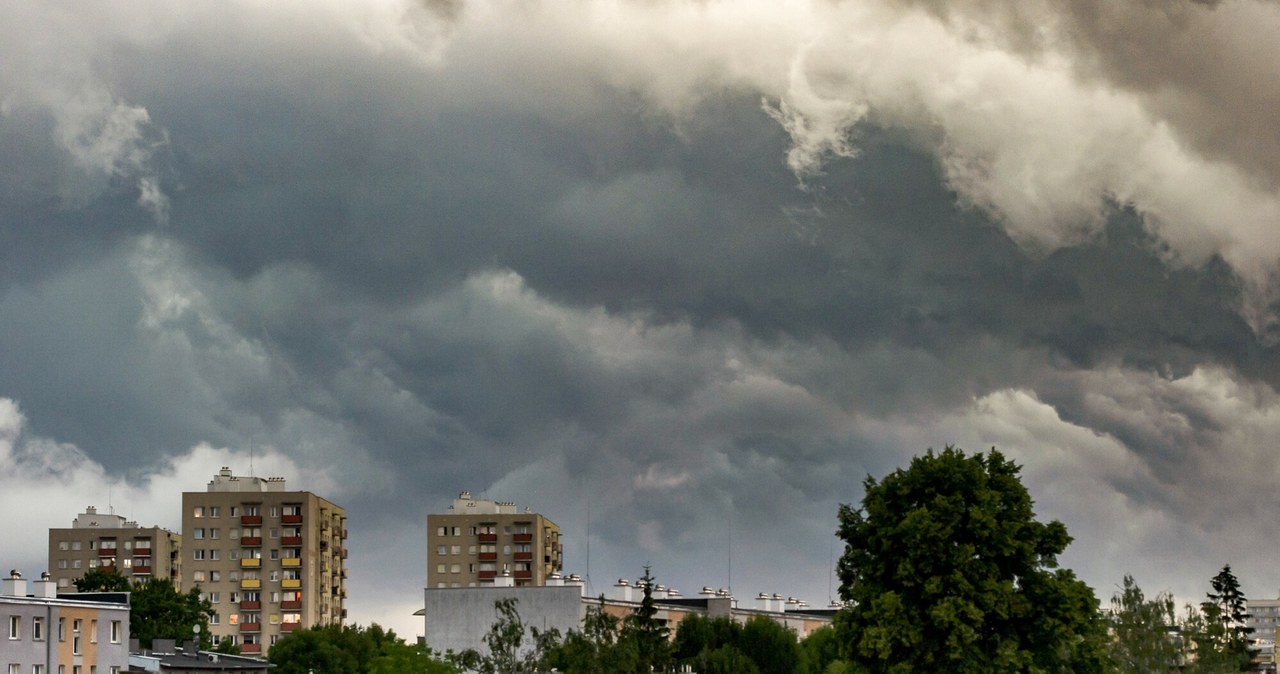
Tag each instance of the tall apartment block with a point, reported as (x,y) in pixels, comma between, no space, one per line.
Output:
(477,540)
(109,541)
(270,560)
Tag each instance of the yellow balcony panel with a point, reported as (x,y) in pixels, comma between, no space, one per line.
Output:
(291,561)
(290,583)
(249,561)
(250,584)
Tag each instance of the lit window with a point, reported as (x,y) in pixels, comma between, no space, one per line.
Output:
(197,511)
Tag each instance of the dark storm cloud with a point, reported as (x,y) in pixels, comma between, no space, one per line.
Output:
(498,259)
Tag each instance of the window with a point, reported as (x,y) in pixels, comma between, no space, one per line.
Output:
(233,576)
(442,550)
(213,597)
(93,631)
(75,545)
(275,576)
(75,637)
(93,563)
(15,627)
(37,669)
(213,533)
(252,510)
(15,669)
(213,619)
(215,576)
(75,564)
(275,597)
(275,532)
(440,531)
(198,534)
(440,568)
(37,629)
(235,533)
(275,511)
(62,629)
(107,544)
(197,512)
(471,550)
(115,631)
(215,511)
(197,576)
(275,554)
(456,568)
(214,553)
(62,545)
(455,550)
(235,511)
(64,582)
(197,554)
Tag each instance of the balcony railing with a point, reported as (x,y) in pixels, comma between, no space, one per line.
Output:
(291,606)
(291,519)
(524,556)
(142,552)
(488,575)
(106,552)
(291,583)
(488,538)
(250,562)
(522,574)
(289,627)
(522,538)
(250,627)
(250,648)
(251,541)
(250,584)
(291,561)
(488,556)
(250,605)
(291,541)
(141,570)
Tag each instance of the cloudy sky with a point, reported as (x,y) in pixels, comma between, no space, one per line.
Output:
(694,267)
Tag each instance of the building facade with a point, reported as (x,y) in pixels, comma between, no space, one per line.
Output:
(476,540)
(270,560)
(109,541)
(48,634)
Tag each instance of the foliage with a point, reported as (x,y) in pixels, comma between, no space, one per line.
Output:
(818,651)
(598,648)
(651,636)
(505,644)
(335,649)
(1217,634)
(225,646)
(705,643)
(1141,639)
(157,611)
(103,580)
(947,570)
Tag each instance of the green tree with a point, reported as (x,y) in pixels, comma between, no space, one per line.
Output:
(947,570)
(651,636)
(505,642)
(157,611)
(103,580)
(1141,641)
(1218,634)
(595,649)
(771,646)
(351,649)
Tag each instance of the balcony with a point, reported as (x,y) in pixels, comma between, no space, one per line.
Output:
(250,562)
(251,541)
(488,556)
(141,570)
(291,519)
(522,574)
(250,584)
(291,606)
(488,575)
(289,627)
(291,541)
(291,583)
(522,538)
(250,648)
(524,556)
(250,605)
(142,552)
(106,552)
(488,538)
(250,519)
(291,561)
(250,627)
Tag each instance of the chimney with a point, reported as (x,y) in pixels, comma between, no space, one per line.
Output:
(46,588)
(622,590)
(555,579)
(14,585)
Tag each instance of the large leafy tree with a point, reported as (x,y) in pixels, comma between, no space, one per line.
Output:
(1142,631)
(157,611)
(351,649)
(947,570)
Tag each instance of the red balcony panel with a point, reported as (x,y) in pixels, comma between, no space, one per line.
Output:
(291,519)
(524,556)
(291,541)
(251,541)
(250,648)
(522,574)
(142,552)
(290,606)
(522,538)
(141,570)
(488,556)
(488,538)
(488,575)
(106,552)
(250,627)
(250,605)
(251,519)
(288,627)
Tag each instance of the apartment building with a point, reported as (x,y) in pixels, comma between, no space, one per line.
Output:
(270,560)
(108,541)
(476,540)
(48,634)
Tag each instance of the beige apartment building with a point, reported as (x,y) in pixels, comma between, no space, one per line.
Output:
(108,541)
(270,560)
(477,540)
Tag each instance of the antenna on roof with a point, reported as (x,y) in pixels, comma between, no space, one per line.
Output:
(110,508)
(251,473)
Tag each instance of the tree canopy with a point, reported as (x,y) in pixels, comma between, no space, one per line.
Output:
(157,611)
(947,570)
(351,649)
(102,580)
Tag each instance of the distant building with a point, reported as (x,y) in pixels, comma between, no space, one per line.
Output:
(477,540)
(109,541)
(458,618)
(270,560)
(1264,618)
(50,634)
(168,659)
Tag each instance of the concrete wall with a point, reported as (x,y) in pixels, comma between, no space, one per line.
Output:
(458,618)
